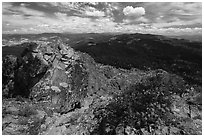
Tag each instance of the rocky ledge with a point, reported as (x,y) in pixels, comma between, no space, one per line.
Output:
(51,89)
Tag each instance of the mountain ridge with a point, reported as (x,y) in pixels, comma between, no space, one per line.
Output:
(51,87)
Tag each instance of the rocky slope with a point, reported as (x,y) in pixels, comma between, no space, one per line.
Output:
(52,89)
(149,52)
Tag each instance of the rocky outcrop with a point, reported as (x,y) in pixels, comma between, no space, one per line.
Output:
(60,91)
(65,84)
(26,70)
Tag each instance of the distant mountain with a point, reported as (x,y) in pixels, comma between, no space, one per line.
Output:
(197,38)
(146,51)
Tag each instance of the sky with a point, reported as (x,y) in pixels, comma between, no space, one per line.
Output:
(165,18)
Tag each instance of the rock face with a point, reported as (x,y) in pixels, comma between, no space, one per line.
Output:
(65,84)
(26,70)
(57,90)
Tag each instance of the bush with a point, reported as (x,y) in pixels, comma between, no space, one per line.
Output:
(143,106)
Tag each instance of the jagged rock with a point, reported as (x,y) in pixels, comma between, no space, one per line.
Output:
(35,51)
(49,51)
(67,62)
(47,57)
(130,131)
(63,84)
(69,53)
(55,88)
(120,130)
(63,59)
(74,92)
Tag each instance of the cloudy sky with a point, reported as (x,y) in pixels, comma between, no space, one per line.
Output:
(87,17)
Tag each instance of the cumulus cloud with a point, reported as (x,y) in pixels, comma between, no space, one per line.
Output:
(66,6)
(136,12)
(186,8)
(110,8)
(176,22)
(81,8)
(164,12)
(137,20)
(91,11)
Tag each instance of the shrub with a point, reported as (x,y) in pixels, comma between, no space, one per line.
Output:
(143,106)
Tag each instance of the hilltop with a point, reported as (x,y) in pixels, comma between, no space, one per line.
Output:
(101,84)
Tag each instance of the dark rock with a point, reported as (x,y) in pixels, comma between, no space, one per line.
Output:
(23,72)
(28,74)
